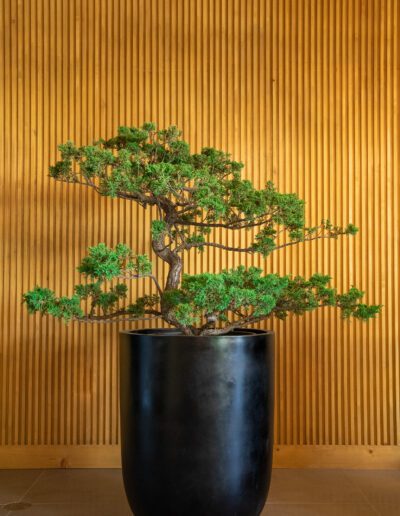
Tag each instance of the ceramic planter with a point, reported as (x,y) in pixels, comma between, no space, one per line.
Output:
(196,422)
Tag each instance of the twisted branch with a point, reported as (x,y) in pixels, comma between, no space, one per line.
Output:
(118,317)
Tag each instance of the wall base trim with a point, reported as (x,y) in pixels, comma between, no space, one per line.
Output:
(59,456)
(97,456)
(338,456)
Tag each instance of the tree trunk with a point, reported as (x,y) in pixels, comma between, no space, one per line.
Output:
(174,273)
(173,279)
(173,259)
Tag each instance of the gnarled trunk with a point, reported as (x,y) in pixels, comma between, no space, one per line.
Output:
(174,273)
(172,258)
(173,279)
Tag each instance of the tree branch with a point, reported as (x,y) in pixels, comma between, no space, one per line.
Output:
(118,316)
(237,224)
(142,199)
(139,276)
(236,324)
(186,247)
(251,319)
(304,240)
(117,320)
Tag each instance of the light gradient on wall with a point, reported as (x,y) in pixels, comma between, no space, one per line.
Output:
(305,92)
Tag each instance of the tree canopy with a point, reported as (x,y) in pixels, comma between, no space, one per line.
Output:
(192,194)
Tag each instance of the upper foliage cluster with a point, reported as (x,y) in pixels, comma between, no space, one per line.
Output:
(197,191)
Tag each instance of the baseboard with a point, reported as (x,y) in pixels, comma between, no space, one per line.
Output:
(343,456)
(49,456)
(96,456)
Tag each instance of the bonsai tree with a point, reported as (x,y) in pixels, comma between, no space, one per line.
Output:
(192,195)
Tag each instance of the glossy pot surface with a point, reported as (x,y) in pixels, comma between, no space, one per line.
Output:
(196,422)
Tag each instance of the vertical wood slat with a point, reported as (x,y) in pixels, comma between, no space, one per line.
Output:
(305,92)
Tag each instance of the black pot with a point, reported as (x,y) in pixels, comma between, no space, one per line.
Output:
(196,422)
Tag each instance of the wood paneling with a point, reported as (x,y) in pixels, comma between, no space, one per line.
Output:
(305,92)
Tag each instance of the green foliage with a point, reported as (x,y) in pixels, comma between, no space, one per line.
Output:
(44,301)
(236,291)
(158,227)
(142,303)
(265,240)
(193,193)
(184,314)
(105,263)
(302,296)
(159,164)
(249,295)
(156,166)
(350,306)
(142,265)
(197,239)
(101,264)
(287,209)
(106,300)
(335,231)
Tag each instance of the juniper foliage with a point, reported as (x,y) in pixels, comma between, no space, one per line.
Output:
(192,195)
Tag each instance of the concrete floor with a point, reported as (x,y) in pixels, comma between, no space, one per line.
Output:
(293,492)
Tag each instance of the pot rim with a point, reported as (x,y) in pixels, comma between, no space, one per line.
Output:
(171,332)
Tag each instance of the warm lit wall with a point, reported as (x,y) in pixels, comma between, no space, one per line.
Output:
(305,92)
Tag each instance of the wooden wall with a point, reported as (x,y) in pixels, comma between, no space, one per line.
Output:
(306,93)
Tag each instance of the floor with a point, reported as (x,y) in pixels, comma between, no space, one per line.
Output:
(293,492)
